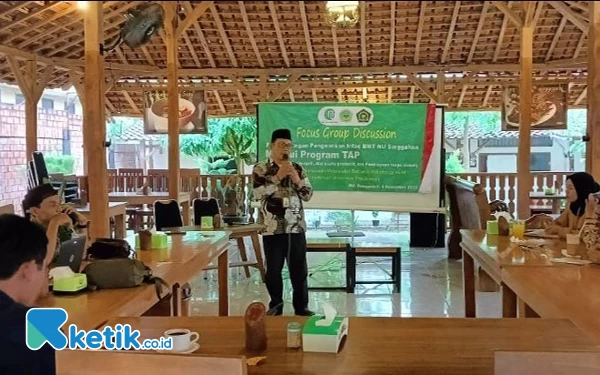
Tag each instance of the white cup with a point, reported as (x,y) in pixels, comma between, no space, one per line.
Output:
(572,244)
(182,338)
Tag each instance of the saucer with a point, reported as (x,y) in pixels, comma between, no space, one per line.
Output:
(195,346)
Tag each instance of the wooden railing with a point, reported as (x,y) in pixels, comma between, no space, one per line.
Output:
(503,186)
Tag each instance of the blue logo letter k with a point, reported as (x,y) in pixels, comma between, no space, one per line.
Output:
(43,325)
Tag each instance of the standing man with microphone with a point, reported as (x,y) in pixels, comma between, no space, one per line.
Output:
(281,186)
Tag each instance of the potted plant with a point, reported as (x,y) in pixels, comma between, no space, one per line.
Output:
(375,220)
(239,147)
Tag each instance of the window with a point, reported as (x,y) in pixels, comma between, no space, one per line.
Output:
(19,99)
(47,103)
(71,108)
(66,142)
(541,161)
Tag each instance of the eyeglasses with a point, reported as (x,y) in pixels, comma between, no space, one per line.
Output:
(284,145)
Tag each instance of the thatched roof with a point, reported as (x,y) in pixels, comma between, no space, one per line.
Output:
(393,54)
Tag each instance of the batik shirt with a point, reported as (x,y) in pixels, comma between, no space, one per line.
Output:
(275,194)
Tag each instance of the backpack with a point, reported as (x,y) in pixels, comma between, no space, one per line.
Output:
(108,248)
(121,273)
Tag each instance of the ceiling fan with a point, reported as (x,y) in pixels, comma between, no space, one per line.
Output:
(142,23)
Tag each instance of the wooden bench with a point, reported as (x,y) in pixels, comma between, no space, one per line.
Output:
(334,245)
(378,250)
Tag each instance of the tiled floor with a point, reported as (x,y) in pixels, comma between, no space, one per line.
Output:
(431,286)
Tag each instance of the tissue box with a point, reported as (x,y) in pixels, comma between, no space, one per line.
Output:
(324,339)
(73,283)
(159,240)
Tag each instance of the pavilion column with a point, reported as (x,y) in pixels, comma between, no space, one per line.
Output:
(524,177)
(173,97)
(32,86)
(593,100)
(94,126)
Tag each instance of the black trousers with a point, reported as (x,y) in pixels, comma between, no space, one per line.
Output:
(276,252)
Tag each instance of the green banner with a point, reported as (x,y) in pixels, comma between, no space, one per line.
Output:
(353,147)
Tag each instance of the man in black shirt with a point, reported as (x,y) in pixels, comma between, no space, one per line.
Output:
(23,273)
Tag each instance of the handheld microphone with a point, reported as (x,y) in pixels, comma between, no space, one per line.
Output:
(286,157)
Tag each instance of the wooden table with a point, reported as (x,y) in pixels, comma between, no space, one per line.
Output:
(175,264)
(238,232)
(556,199)
(116,211)
(493,253)
(424,346)
(133,198)
(572,293)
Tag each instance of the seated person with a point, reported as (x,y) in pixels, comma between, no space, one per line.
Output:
(23,272)
(579,186)
(42,206)
(590,233)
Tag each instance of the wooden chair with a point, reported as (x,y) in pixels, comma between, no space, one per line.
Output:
(75,362)
(7,209)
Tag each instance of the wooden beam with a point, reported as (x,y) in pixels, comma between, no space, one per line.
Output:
(250,34)
(336,49)
(242,101)
(486,5)
(339,95)
(30,14)
(264,87)
(501,35)
(450,34)
(191,48)
(13,7)
(363,32)
(581,97)
(466,80)
(440,89)
(188,8)
(223,34)
(417,82)
(147,55)
(580,43)
(242,88)
(314,95)
(291,80)
(19,76)
(392,32)
(411,97)
(525,103)
(193,16)
(291,94)
(564,9)
(538,13)
(420,31)
(173,97)
(221,106)
(37,26)
(509,13)
(311,56)
(529,13)
(488,93)
(273,11)
(94,126)
(593,96)
(462,96)
(131,102)
(556,37)
(390,93)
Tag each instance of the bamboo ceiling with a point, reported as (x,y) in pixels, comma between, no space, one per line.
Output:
(393,54)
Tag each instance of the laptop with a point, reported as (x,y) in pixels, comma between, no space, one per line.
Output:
(71,254)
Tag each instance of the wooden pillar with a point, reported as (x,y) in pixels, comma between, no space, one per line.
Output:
(592,158)
(173,97)
(94,126)
(524,178)
(32,86)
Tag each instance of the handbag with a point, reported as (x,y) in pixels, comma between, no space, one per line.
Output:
(121,273)
(109,248)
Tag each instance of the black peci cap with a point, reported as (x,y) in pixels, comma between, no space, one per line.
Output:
(281,134)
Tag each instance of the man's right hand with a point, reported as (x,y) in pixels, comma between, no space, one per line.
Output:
(284,171)
(61,219)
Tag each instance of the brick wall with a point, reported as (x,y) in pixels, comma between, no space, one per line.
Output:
(13,180)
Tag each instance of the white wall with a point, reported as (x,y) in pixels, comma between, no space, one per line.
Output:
(8,95)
